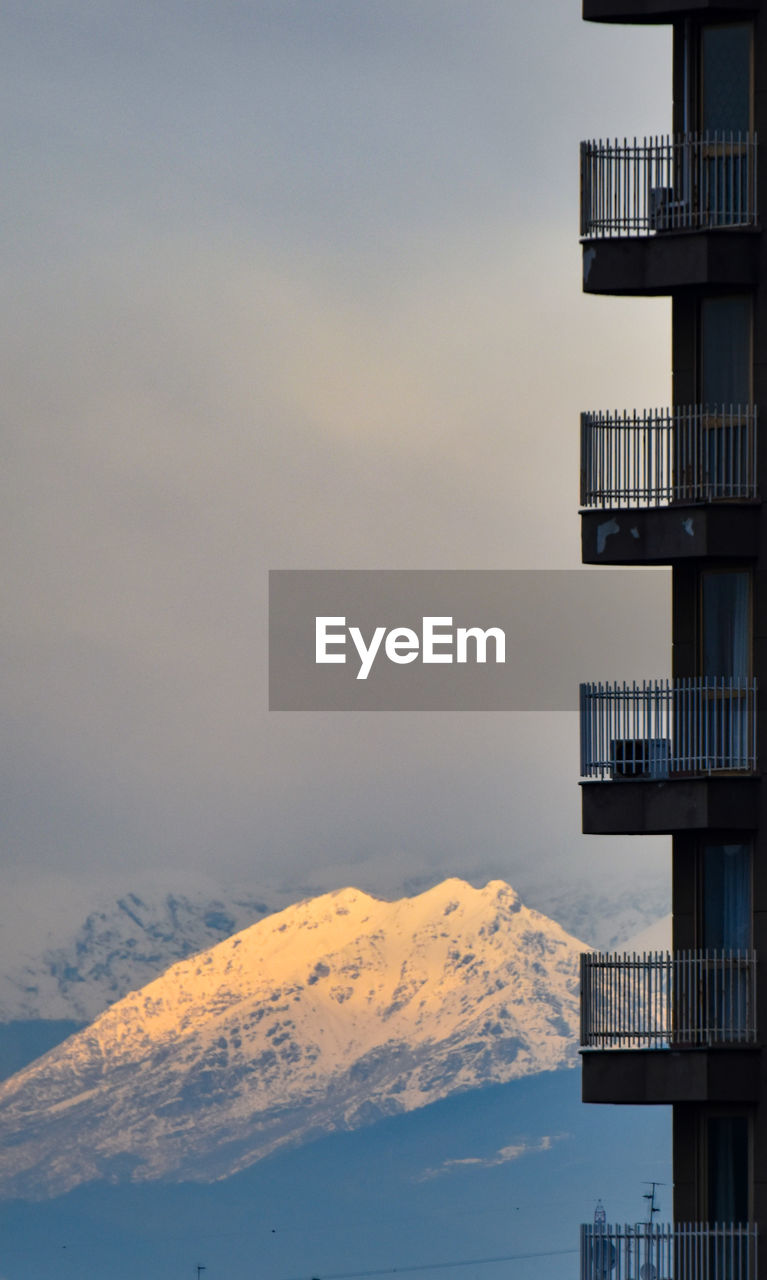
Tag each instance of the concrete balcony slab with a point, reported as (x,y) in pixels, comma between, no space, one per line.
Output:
(664,1076)
(662,10)
(663,535)
(645,806)
(668,262)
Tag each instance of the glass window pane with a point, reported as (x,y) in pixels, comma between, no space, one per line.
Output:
(725,619)
(727,896)
(725,350)
(727,1160)
(726,78)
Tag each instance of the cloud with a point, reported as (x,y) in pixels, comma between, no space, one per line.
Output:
(284,286)
(504,1155)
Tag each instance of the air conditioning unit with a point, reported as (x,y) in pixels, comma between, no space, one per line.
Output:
(640,757)
(659,210)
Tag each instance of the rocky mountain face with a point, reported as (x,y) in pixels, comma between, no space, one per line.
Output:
(125,943)
(326,1015)
(119,948)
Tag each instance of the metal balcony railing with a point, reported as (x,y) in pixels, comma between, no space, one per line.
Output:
(662,728)
(695,453)
(685,182)
(659,1000)
(682,1251)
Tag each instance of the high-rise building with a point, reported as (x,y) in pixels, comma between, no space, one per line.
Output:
(681,486)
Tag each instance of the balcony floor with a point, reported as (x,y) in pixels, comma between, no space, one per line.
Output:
(662,264)
(664,1076)
(663,535)
(645,806)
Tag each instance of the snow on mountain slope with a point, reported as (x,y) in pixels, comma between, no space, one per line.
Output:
(119,947)
(125,943)
(606,916)
(326,1015)
(656,937)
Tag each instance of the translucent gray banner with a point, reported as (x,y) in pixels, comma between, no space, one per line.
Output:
(461,640)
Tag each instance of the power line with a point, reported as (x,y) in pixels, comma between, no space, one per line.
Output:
(437,1266)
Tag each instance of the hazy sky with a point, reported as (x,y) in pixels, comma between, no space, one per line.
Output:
(290,285)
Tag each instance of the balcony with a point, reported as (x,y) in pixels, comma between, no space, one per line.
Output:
(697,1008)
(667,728)
(679,755)
(648,468)
(686,182)
(659,1001)
(641,199)
(682,1251)
(689,454)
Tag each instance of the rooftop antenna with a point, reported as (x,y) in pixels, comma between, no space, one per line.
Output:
(649,1196)
(200,1269)
(600,1217)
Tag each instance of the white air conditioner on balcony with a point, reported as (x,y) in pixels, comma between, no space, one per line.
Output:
(666,214)
(659,208)
(640,757)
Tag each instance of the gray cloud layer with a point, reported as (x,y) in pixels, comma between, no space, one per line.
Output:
(287,285)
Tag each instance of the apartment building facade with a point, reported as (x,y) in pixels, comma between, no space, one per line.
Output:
(680,216)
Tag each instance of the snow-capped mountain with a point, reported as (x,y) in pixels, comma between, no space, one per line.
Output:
(605,917)
(125,943)
(326,1015)
(119,947)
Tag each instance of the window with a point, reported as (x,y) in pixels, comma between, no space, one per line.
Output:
(726,1139)
(727,711)
(724,355)
(726,896)
(716,171)
(725,623)
(725,78)
(716,460)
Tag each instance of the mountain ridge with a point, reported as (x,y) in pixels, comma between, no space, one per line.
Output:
(125,942)
(325,1015)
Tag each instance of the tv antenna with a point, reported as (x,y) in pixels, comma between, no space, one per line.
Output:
(649,1196)
(200,1269)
